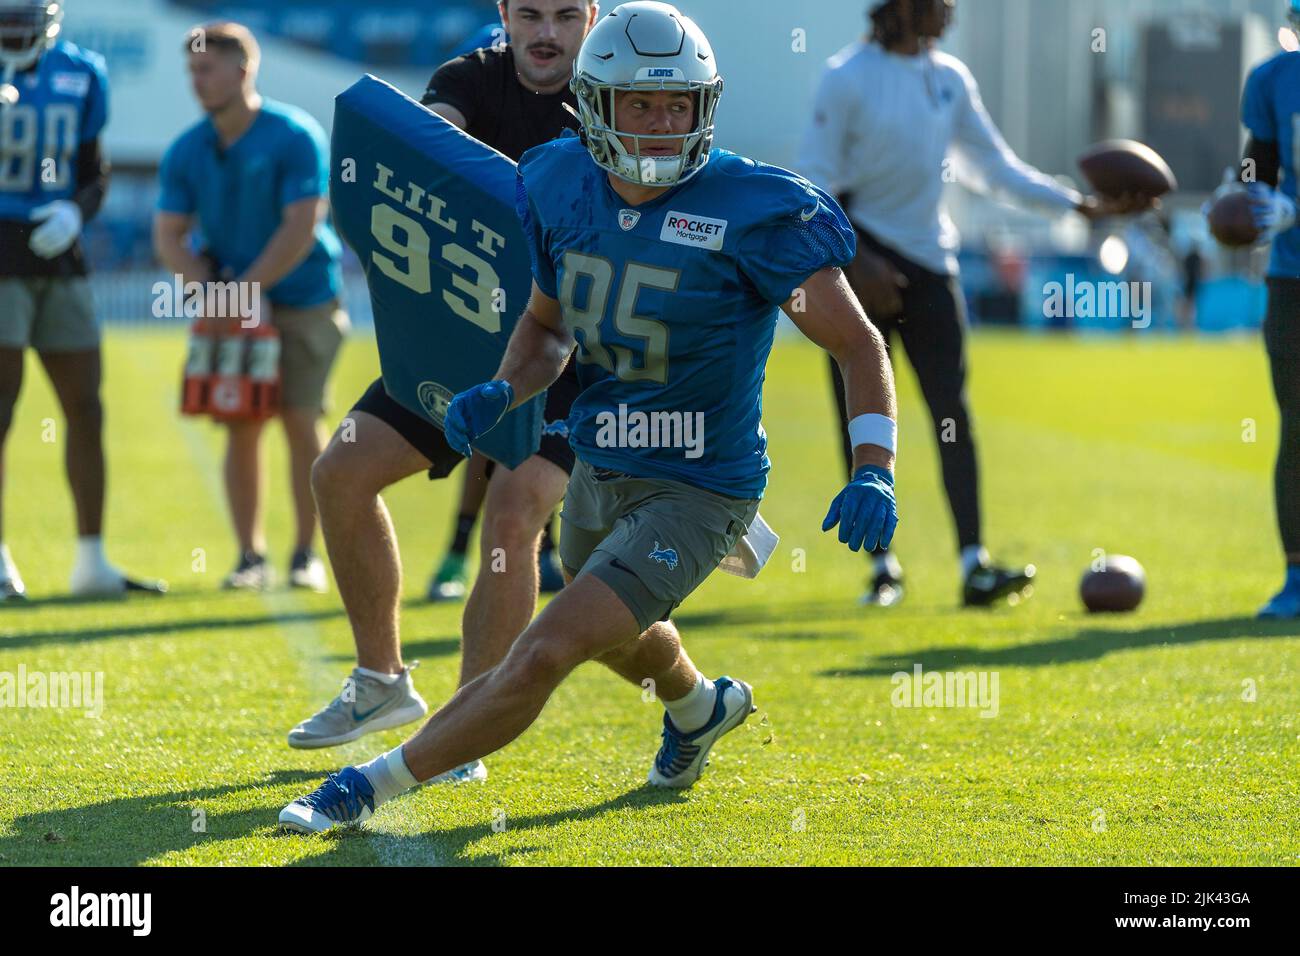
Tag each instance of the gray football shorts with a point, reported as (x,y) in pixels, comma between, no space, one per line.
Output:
(652,541)
(47,313)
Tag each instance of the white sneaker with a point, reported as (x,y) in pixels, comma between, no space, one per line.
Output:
(107,581)
(307,571)
(372,705)
(253,573)
(12,590)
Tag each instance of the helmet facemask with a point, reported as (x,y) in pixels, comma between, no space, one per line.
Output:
(26,31)
(597,111)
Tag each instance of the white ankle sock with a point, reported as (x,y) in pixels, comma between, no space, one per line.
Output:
(91,561)
(389,775)
(381,676)
(694,710)
(973,556)
(888,563)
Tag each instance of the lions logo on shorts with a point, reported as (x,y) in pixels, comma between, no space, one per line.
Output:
(665,556)
(435,399)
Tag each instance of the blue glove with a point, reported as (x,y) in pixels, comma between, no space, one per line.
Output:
(473,413)
(865,510)
(1272,211)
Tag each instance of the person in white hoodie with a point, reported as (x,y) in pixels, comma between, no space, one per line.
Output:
(894,119)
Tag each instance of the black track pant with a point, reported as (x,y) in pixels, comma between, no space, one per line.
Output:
(932,327)
(1282,337)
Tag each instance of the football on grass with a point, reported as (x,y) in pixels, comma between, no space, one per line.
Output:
(1118,585)
(1230,219)
(1119,166)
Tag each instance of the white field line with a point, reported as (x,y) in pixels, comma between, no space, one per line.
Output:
(301,634)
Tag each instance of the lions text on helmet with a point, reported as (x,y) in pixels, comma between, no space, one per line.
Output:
(647,86)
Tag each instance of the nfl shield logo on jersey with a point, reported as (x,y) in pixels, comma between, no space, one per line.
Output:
(628,218)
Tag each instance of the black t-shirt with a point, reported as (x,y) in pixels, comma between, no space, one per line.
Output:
(498,109)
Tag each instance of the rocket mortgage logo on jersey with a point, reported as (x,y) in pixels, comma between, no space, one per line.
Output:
(698,231)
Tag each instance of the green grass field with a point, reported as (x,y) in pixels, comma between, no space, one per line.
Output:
(1118,740)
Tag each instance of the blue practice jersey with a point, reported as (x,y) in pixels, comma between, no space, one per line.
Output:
(238,195)
(674,304)
(1271,111)
(62,103)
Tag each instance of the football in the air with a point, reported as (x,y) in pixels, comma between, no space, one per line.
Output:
(1118,585)
(1119,166)
(1230,219)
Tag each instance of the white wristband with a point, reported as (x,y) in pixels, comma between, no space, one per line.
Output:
(874,430)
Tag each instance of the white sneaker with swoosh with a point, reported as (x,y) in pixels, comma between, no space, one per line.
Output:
(364,706)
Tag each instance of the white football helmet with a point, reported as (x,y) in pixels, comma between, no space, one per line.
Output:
(27,29)
(645,45)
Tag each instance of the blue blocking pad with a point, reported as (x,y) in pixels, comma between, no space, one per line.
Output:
(430,212)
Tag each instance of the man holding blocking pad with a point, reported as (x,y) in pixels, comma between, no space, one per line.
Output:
(510,98)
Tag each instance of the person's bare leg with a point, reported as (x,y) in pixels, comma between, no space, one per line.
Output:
(657,655)
(11,383)
(473,487)
(244,484)
(584,620)
(362,459)
(75,377)
(504,596)
(306,436)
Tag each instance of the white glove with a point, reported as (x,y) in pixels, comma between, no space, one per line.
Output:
(60,226)
(1274,212)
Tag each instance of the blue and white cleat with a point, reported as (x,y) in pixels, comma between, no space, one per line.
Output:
(344,800)
(1284,606)
(683,757)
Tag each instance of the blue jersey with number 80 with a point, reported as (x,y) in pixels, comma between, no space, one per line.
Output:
(1271,111)
(62,103)
(673,304)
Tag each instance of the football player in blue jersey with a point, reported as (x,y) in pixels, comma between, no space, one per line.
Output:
(664,261)
(1271,113)
(53,109)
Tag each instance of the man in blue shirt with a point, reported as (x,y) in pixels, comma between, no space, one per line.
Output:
(664,262)
(247,184)
(1271,113)
(53,176)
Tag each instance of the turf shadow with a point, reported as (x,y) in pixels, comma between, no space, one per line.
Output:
(1083,645)
(768,614)
(158,628)
(429,647)
(132,830)
(449,847)
(115,600)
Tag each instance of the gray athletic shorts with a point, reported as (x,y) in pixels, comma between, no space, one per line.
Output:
(652,541)
(47,313)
